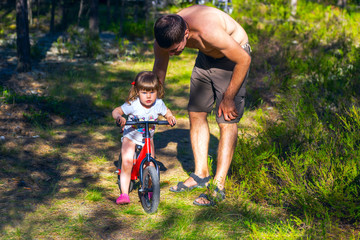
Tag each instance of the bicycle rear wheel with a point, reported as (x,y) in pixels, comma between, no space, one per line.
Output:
(149,193)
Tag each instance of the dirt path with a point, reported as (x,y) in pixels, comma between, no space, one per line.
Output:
(51,174)
(57,172)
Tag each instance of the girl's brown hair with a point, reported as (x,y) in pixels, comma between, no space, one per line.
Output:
(147,81)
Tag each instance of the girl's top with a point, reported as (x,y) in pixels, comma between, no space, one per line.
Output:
(136,111)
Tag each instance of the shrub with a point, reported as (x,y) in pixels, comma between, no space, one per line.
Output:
(307,160)
(82,43)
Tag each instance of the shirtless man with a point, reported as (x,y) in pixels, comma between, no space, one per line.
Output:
(218,76)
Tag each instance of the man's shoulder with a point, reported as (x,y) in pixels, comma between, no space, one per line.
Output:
(196,9)
(198,12)
(202,20)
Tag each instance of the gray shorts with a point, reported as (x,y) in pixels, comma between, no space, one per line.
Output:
(209,81)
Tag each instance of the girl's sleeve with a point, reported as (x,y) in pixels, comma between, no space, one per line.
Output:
(162,109)
(127,108)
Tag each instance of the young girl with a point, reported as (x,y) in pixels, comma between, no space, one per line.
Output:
(144,104)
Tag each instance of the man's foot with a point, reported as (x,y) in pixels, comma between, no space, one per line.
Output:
(210,199)
(193,181)
(123,199)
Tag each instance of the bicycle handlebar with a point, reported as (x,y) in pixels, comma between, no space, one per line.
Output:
(144,122)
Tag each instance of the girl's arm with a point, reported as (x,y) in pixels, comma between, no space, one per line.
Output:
(117,115)
(170,117)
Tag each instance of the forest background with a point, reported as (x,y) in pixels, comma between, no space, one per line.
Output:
(66,64)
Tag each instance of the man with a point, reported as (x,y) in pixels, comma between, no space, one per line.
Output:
(218,76)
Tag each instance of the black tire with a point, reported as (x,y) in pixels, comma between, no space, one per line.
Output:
(131,186)
(151,184)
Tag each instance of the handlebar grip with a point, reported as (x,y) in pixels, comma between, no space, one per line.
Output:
(163,123)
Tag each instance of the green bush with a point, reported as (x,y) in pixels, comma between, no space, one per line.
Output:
(37,118)
(304,167)
(140,29)
(307,160)
(82,43)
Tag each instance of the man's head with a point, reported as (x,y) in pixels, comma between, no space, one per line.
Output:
(169,30)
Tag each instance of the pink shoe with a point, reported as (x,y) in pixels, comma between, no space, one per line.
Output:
(123,199)
(150,194)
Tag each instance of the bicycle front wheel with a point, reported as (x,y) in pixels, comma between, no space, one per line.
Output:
(149,193)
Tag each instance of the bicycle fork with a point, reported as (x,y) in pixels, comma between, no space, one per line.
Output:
(146,160)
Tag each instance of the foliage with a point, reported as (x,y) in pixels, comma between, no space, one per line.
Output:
(307,160)
(137,30)
(304,162)
(38,118)
(305,168)
(81,42)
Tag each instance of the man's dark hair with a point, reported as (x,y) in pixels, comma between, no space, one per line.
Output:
(169,30)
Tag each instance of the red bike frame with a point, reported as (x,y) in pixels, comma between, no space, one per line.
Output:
(144,157)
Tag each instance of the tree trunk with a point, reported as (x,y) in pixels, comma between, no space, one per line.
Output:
(38,14)
(341,3)
(52,20)
(122,17)
(22,41)
(293,8)
(94,18)
(136,12)
(64,13)
(148,15)
(118,15)
(80,11)
(29,12)
(108,11)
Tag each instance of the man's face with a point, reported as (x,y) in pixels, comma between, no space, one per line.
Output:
(178,48)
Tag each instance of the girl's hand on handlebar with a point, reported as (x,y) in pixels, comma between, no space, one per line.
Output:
(172,120)
(121,121)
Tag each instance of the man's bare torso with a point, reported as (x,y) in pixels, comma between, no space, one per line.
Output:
(208,26)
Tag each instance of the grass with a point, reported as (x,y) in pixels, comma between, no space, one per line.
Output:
(299,160)
(94,194)
(296,167)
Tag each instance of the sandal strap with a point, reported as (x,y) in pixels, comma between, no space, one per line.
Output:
(221,192)
(200,180)
(205,196)
(181,186)
(218,191)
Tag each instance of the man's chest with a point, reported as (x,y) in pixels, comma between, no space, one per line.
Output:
(205,48)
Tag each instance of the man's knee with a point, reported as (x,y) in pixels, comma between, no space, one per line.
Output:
(196,116)
(228,128)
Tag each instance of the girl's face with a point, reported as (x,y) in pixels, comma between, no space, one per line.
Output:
(147,98)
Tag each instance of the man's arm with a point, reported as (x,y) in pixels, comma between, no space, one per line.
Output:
(222,41)
(227,105)
(161,62)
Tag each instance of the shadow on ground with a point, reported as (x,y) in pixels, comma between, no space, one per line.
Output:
(184,153)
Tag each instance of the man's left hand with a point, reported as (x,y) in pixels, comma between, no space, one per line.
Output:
(227,107)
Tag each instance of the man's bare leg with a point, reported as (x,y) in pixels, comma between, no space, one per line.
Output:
(227,144)
(199,136)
